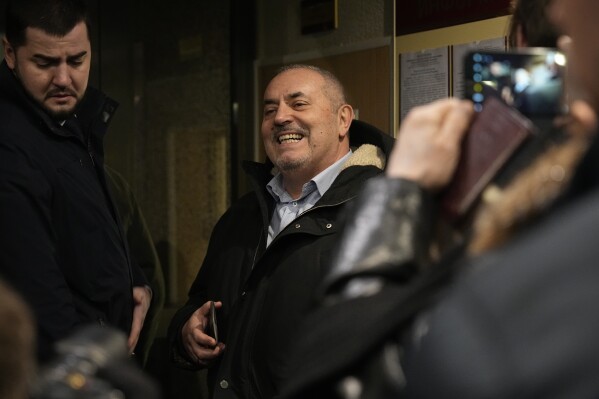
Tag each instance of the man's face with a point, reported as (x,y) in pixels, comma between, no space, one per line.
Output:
(302,133)
(578,19)
(53,70)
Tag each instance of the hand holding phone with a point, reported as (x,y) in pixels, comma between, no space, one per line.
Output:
(511,92)
(494,136)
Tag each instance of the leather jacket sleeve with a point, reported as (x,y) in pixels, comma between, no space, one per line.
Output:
(387,235)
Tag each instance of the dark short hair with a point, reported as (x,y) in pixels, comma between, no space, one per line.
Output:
(531,17)
(54,17)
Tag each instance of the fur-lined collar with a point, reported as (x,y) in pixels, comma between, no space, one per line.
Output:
(367,155)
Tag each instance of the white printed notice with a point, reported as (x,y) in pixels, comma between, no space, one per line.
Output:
(460,51)
(424,77)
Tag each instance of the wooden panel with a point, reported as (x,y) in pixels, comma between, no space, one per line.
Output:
(366,76)
(417,16)
(466,33)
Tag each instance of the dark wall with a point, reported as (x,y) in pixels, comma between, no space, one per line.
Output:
(2,14)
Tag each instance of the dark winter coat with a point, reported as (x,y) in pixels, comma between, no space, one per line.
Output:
(267,291)
(62,247)
(517,322)
(522,322)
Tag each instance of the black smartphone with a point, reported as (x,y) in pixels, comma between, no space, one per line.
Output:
(530,80)
(212,329)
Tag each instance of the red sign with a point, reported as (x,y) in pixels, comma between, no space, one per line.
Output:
(420,15)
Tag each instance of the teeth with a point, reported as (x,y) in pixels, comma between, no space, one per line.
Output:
(290,137)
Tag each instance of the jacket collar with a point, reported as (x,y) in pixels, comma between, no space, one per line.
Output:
(361,133)
(95,105)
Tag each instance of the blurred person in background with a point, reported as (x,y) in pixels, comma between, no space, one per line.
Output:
(143,252)
(17,345)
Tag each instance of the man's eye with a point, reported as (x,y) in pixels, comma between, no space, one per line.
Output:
(299,105)
(76,62)
(269,111)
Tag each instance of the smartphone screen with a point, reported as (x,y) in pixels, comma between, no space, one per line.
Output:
(530,80)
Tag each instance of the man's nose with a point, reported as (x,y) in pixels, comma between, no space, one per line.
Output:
(62,76)
(283,115)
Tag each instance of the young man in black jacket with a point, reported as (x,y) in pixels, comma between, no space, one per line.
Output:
(271,249)
(62,243)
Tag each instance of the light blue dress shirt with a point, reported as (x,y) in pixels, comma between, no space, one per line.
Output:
(287,209)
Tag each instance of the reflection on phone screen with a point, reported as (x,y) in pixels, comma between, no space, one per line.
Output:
(530,81)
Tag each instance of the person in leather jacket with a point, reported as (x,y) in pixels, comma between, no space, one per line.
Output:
(515,320)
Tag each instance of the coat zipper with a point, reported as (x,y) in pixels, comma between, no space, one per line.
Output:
(251,371)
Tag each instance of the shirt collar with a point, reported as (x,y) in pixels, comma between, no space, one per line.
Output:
(322,181)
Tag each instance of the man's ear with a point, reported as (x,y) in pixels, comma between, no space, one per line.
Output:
(346,115)
(9,53)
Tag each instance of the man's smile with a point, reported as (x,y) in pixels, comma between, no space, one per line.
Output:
(289,138)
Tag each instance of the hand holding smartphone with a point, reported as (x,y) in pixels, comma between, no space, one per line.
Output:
(494,136)
(509,90)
